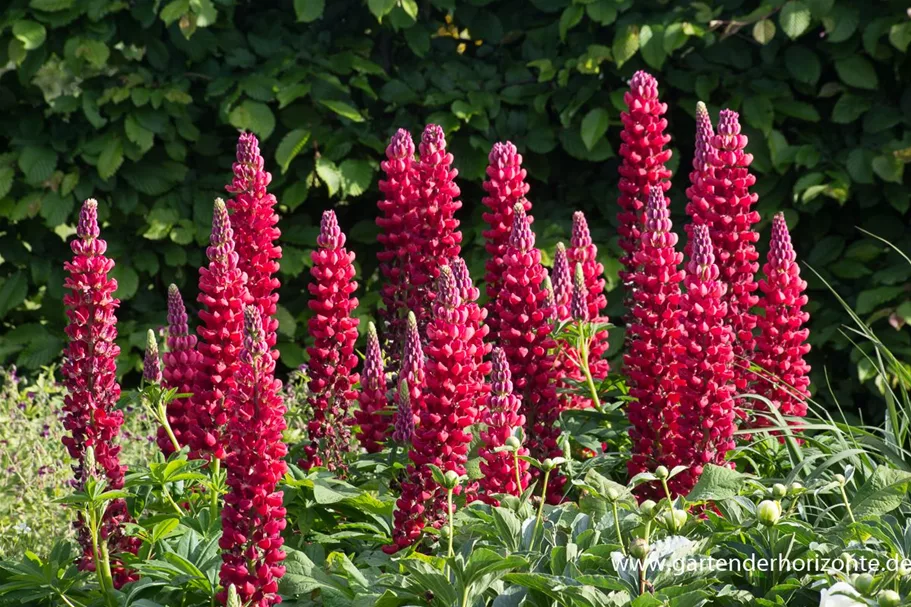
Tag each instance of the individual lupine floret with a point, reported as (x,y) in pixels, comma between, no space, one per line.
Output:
(643,161)
(222,294)
(654,332)
(722,201)
(256,232)
(525,336)
(374,425)
(253,516)
(706,421)
(505,186)
(502,419)
(781,345)
(180,363)
(332,356)
(562,282)
(90,375)
(397,221)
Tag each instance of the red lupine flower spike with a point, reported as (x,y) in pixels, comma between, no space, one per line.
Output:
(643,156)
(253,516)
(579,305)
(781,345)
(706,421)
(222,294)
(505,186)
(374,426)
(151,363)
(654,332)
(256,234)
(404,419)
(550,302)
(180,363)
(467,291)
(562,282)
(332,356)
(397,222)
(502,418)
(412,370)
(704,135)
(90,374)
(583,251)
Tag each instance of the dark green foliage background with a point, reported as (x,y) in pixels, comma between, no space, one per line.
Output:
(138,104)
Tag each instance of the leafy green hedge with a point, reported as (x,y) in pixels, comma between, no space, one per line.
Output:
(138,104)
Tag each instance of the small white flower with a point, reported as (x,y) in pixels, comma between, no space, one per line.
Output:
(841,594)
(23,528)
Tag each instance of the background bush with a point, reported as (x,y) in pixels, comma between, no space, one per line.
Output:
(138,104)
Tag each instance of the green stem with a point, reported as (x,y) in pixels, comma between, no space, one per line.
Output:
(844,497)
(617,526)
(540,515)
(216,468)
(163,420)
(449,505)
(642,581)
(648,530)
(583,356)
(100,554)
(515,457)
(667,491)
(171,501)
(106,564)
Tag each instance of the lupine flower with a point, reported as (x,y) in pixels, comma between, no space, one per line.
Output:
(450,408)
(151,362)
(412,372)
(256,234)
(372,398)
(436,239)
(476,317)
(332,357)
(781,344)
(643,156)
(505,186)
(502,417)
(223,294)
(722,201)
(89,374)
(550,302)
(562,282)
(397,221)
(180,363)
(253,516)
(707,415)
(525,336)
(654,334)
(583,251)
(705,133)
(578,307)
(404,418)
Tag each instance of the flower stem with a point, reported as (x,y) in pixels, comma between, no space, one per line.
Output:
(216,468)
(844,497)
(163,419)
(617,526)
(667,491)
(515,458)
(540,515)
(586,369)
(449,506)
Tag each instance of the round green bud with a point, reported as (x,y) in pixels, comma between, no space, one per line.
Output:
(795,488)
(548,464)
(513,443)
(769,512)
(888,598)
(612,494)
(452,479)
(648,507)
(779,491)
(639,548)
(864,583)
(674,519)
(662,472)
(840,479)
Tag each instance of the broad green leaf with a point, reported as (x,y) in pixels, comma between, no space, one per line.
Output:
(127,281)
(253,116)
(764,31)
(570,18)
(855,70)
(13,291)
(900,35)
(594,125)
(758,112)
(625,45)
(849,108)
(883,492)
(37,163)
(30,33)
(889,168)
(380,8)
(51,6)
(651,45)
(803,64)
(717,483)
(872,299)
(174,10)
(309,10)
(111,158)
(794,18)
(6,180)
(329,174)
(343,109)
(603,12)
(357,175)
(291,145)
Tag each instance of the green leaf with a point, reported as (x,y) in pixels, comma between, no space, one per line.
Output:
(889,168)
(253,116)
(37,163)
(717,483)
(174,11)
(849,108)
(380,8)
(625,45)
(651,45)
(900,35)
(883,492)
(51,6)
(309,10)
(13,292)
(803,64)
(758,112)
(357,175)
(872,299)
(594,126)
(570,18)
(111,158)
(329,174)
(127,281)
(794,18)
(291,145)
(6,180)
(764,31)
(343,109)
(857,71)
(30,33)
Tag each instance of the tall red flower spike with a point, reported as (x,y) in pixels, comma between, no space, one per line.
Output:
(525,336)
(397,223)
(476,320)
(332,357)
(643,156)
(578,306)
(89,373)
(450,408)
(436,238)
(223,295)
(502,416)
(722,201)
(583,251)
(550,301)
(654,334)
(404,418)
(562,282)
(706,421)
(253,517)
(412,372)
(702,154)
(782,345)
(256,234)
(180,363)
(374,425)
(505,186)
(151,362)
